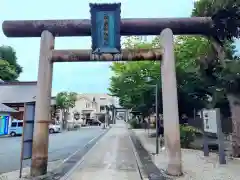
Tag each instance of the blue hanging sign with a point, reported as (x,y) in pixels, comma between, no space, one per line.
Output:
(105,20)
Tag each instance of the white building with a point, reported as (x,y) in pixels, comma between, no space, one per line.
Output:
(90,106)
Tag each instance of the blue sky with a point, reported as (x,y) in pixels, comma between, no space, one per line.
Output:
(78,77)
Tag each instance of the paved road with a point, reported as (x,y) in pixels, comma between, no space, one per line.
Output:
(61,146)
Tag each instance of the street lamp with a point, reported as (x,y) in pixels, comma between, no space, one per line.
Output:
(157,119)
(156,111)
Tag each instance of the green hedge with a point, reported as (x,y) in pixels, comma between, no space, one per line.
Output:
(134,124)
(187,135)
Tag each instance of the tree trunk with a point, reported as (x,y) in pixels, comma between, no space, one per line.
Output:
(219,50)
(63,126)
(234,103)
(64,119)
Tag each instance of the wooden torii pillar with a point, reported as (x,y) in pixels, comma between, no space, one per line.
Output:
(48,29)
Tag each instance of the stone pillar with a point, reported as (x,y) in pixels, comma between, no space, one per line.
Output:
(42,109)
(170,104)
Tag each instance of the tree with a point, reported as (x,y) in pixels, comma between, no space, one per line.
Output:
(224,13)
(222,69)
(131,80)
(65,101)
(130,84)
(9,68)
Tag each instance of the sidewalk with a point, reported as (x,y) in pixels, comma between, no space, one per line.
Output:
(195,165)
(14,175)
(112,158)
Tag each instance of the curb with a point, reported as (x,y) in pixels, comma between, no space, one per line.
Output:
(5,136)
(142,173)
(148,167)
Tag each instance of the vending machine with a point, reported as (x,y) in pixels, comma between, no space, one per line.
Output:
(4,124)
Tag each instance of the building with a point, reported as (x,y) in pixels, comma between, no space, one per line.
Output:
(16,94)
(90,106)
(5,118)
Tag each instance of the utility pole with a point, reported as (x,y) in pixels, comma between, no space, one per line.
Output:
(157,119)
(42,107)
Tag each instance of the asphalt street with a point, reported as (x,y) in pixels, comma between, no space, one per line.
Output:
(61,146)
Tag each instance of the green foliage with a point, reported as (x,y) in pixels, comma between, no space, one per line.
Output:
(225,14)
(192,88)
(229,77)
(222,77)
(9,68)
(7,72)
(200,74)
(187,135)
(134,82)
(66,100)
(222,72)
(134,124)
(215,77)
(211,7)
(131,86)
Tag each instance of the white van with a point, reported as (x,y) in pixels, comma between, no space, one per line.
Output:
(16,128)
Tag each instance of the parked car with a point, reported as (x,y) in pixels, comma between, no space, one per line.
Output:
(93,122)
(16,128)
(54,128)
(96,123)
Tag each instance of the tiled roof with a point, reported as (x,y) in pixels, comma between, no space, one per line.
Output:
(18,92)
(4,108)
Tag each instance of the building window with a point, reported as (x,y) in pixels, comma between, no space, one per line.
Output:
(20,124)
(87,105)
(102,98)
(14,124)
(102,108)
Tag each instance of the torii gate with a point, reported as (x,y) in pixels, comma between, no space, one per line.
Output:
(124,110)
(49,29)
